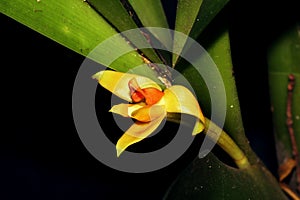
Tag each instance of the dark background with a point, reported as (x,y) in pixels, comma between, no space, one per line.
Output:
(41,155)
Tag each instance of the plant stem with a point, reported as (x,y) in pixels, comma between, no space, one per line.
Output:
(289,123)
(215,133)
(226,143)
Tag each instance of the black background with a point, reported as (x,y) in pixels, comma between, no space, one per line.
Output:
(41,154)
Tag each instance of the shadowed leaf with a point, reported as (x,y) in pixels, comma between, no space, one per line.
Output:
(208,178)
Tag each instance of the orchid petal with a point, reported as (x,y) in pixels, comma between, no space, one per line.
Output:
(179,99)
(125,110)
(148,113)
(117,82)
(139,112)
(137,132)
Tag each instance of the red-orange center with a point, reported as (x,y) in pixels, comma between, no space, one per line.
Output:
(149,95)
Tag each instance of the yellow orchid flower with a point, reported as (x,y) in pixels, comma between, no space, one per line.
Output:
(148,105)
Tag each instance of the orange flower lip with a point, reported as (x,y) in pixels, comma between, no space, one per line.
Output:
(150,95)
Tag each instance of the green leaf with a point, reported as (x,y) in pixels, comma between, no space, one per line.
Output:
(151,14)
(284,59)
(193,16)
(77,26)
(219,50)
(72,23)
(186,15)
(209,9)
(117,15)
(208,178)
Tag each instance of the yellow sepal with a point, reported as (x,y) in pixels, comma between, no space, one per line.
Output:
(178,99)
(117,82)
(137,132)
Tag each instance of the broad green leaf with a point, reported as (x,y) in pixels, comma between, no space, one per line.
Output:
(77,26)
(209,178)
(117,15)
(193,16)
(151,14)
(283,60)
(219,50)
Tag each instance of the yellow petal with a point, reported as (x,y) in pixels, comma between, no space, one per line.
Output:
(179,99)
(137,132)
(139,112)
(148,113)
(125,110)
(117,82)
(199,127)
(121,109)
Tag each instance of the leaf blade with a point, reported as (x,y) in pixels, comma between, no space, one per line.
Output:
(208,178)
(219,51)
(192,18)
(151,14)
(186,14)
(118,16)
(75,25)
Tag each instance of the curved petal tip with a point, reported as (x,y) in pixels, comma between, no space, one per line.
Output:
(198,128)
(119,151)
(98,75)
